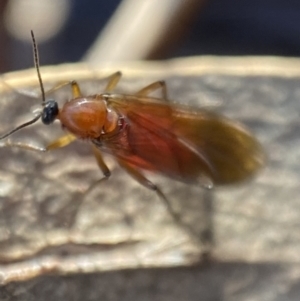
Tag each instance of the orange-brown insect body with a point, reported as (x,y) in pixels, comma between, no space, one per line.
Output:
(143,133)
(189,145)
(84,117)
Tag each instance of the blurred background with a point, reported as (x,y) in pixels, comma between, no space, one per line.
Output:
(104,31)
(253,230)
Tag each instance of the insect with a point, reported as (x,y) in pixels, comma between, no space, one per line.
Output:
(143,133)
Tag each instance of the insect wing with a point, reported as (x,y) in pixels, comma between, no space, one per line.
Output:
(189,144)
(233,152)
(149,142)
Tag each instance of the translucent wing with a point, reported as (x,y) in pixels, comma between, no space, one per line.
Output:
(186,143)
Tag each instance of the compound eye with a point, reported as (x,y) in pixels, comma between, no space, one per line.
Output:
(50,112)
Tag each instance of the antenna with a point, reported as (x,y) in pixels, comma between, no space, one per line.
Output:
(36,118)
(37,64)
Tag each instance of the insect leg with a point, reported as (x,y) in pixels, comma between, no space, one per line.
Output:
(113,81)
(105,170)
(140,178)
(74,86)
(75,89)
(153,87)
(22,145)
(81,198)
(61,142)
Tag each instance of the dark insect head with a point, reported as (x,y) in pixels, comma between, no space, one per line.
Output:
(49,112)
